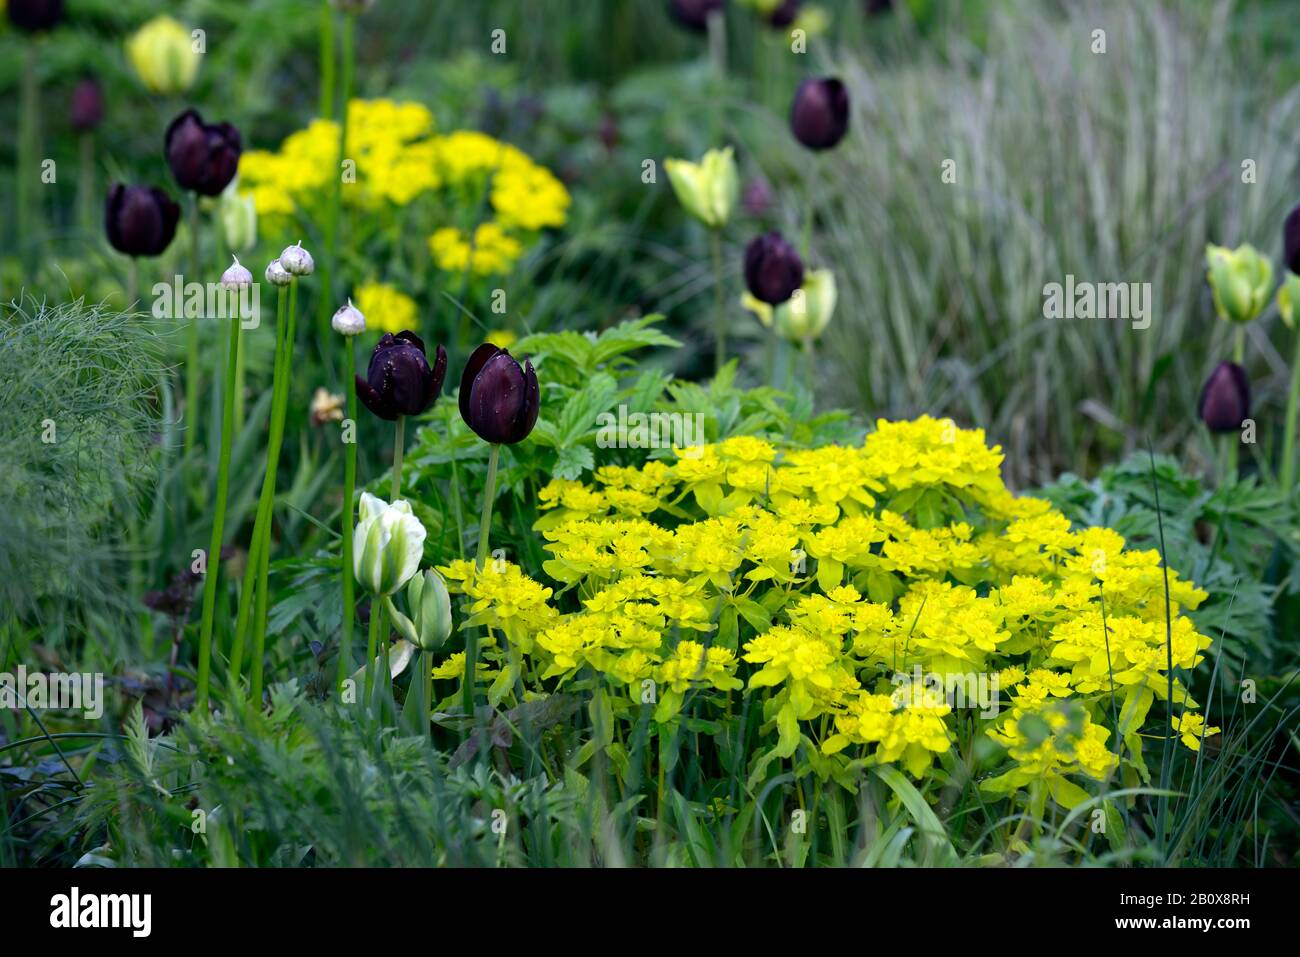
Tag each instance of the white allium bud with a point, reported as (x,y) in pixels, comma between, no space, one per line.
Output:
(277,275)
(236,277)
(349,321)
(297,261)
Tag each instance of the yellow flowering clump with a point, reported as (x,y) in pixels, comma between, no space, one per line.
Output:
(386,308)
(397,159)
(817,585)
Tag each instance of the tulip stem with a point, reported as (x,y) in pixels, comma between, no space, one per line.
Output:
(27,150)
(1238,356)
(327,55)
(719,302)
(132,283)
(349,490)
(328,267)
(372,647)
(485,524)
(192,344)
(212,573)
(399,446)
(248,590)
(1288,444)
(86,184)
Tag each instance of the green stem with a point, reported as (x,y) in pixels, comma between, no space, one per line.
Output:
(719,302)
(1234,439)
(1288,444)
(28,147)
(132,283)
(327,57)
(349,490)
(268,494)
(372,646)
(192,344)
(248,592)
(426,675)
(399,447)
(86,185)
(485,524)
(329,267)
(218,525)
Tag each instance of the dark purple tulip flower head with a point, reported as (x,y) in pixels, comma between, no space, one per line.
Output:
(87,106)
(785,13)
(499,399)
(773,269)
(400,380)
(140,220)
(1225,400)
(819,117)
(203,157)
(694,14)
(1291,240)
(35,16)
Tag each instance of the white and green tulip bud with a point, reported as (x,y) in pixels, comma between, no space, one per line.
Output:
(427,598)
(1288,297)
(238,214)
(1241,280)
(806,314)
(387,545)
(708,190)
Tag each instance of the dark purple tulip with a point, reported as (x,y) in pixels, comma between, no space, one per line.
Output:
(757,198)
(140,220)
(773,269)
(1291,240)
(87,105)
(498,399)
(1225,400)
(819,117)
(874,8)
(204,157)
(694,14)
(785,14)
(33,16)
(400,380)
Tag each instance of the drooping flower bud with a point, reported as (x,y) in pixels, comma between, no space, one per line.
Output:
(236,277)
(499,400)
(35,16)
(694,14)
(773,269)
(297,261)
(400,380)
(1241,281)
(387,545)
(277,275)
(1225,399)
(349,321)
(819,116)
(140,220)
(164,56)
(203,157)
(430,605)
(87,109)
(708,190)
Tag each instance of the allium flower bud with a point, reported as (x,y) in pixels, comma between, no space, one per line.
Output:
(694,14)
(387,545)
(430,605)
(164,56)
(399,380)
(277,275)
(819,116)
(203,157)
(236,277)
(773,269)
(499,400)
(1225,400)
(349,321)
(1241,281)
(87,110)
(708,190)
(35,16)
(297,261)
(140,220)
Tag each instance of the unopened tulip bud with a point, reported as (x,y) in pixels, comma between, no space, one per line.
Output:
(388,544)
(1241,281)
(709,189)
(499,399)
(400,380)
(1225,400)
(236,277)
(238,214)
(164,56)
(819,116)
(297,261)
(203,157)
(87,106)
(430,605)
(694,14)
(140,220)
(277,275)
(35,16)
(773,269)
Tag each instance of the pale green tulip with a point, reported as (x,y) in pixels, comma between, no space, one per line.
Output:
(708,190)
(388,545)
(1241,281)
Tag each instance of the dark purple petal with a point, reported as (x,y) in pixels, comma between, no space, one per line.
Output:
(1291,240)
(472,368)
(497,400)
(34,16)
(204,158)
(438,377)
(373,401)
(87,108)
(1225,399)
(773,269)
(819,116)
(140,220)
(694,14)
(532,405)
